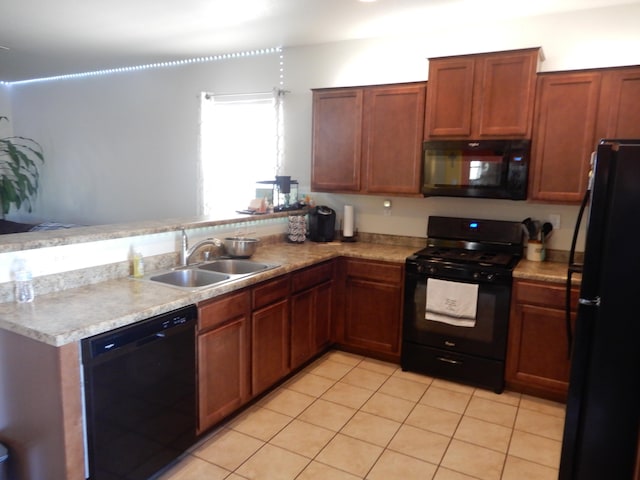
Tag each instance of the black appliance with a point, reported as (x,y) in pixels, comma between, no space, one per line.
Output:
(322,224)
(140,402)
(603,405)
(484,168)
(465,260)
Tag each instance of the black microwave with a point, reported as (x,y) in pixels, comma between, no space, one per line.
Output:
(482,169)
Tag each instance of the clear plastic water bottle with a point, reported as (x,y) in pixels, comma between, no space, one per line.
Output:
(24,282)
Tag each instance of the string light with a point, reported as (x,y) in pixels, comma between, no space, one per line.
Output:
(149,66)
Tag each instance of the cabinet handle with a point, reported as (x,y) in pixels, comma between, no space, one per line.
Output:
(448,360)
(590,302)
(449,344)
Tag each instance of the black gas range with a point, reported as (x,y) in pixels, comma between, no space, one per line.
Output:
(457,298)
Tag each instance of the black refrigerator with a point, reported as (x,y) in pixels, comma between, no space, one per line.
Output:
(601,425)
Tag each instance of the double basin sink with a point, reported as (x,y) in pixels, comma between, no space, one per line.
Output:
(210,273)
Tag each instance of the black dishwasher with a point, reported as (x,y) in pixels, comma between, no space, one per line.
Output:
(140,403)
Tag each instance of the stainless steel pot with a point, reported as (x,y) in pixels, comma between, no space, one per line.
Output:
(240,247)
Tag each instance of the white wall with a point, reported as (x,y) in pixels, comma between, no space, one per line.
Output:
(5,111)
(123,147)
(595,38)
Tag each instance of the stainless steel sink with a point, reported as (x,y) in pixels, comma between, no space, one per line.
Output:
(190,278)
(209,274)
(235,266)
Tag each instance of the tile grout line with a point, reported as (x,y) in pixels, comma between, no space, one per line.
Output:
(388,376)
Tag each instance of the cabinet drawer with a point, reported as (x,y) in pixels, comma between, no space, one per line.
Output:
(383,272)
(545,294)
(221,310)
(311,276)
(270,291)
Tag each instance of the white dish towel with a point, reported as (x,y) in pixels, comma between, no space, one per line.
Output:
(454,303)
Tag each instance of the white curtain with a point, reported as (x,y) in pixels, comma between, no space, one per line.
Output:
(240,144)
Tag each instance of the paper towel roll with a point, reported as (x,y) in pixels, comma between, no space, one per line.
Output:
(347,229)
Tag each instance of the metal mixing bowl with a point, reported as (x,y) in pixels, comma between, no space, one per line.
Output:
(241,247)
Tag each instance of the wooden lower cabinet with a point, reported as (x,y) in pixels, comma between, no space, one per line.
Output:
(223,357)
(269,334)
(370,316)
(311,309)
(538,360)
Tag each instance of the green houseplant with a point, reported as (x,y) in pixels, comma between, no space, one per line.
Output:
(19,175)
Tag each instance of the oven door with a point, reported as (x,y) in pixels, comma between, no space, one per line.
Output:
(486,338)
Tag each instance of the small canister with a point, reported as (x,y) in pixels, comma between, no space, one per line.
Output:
(297,229)
(535,251)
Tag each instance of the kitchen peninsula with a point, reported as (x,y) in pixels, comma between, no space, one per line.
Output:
(40,342)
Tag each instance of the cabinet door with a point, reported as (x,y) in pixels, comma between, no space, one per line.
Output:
(337,140)
(392,141)
(223,371)
(504,102)
(620,105)
(302,327)
(564,135)
(223,357)
(543,359)
(270,345)
(449,97)
(310,322)
(323,312)
(482,96)
(371,302)
(538,359)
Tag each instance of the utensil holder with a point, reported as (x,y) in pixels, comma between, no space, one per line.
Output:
(535,251)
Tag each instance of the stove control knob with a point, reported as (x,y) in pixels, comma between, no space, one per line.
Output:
(432,270)
(490,277)
(476,275)
(420,268)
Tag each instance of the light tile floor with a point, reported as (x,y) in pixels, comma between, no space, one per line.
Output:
(347,417)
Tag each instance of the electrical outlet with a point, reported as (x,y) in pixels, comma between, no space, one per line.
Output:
(554,219)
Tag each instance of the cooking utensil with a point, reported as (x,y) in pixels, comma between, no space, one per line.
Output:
(536,230)
(240,247)
(546,230)
(530,227)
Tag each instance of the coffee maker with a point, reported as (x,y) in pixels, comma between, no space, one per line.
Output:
(322,224)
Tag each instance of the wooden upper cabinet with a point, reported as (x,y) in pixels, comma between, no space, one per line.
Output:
(574,110)
(620,103)
(337,140)
(392,139)
(368,139)
(449,97)
(564,135)
(482,96)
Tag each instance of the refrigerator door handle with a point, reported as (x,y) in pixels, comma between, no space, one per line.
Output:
(590,302)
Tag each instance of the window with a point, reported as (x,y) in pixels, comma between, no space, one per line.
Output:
(240,140)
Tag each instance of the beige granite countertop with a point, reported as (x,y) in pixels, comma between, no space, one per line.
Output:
(71,315)
(555,272)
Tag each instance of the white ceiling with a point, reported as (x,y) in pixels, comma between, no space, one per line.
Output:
(47,38)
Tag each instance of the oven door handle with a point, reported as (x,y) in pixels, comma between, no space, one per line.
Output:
(449,360)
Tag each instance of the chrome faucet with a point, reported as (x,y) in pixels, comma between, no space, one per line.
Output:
(186,253)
